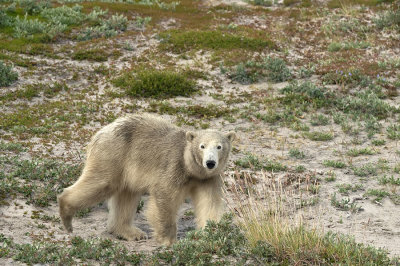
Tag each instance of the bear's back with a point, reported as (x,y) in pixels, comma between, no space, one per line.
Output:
(155,149)
(145,127)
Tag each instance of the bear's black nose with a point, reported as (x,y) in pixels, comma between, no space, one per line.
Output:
(210,164)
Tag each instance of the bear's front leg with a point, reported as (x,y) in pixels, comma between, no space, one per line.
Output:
(122,206)
(207,200)
(161,214)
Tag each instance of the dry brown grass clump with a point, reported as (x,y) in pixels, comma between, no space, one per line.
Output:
(269,217)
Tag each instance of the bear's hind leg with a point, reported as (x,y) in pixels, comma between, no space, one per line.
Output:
(122,208)
(84,193)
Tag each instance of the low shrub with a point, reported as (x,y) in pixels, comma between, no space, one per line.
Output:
(277,71)
(7,75)
(156,84)
(108,28)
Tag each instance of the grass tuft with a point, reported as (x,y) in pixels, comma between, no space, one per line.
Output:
(252,161)
(365,170)
(319,136)
(344,189)
(296,153)
(358,152)
(334,164)
(393,132)
(275,240)
(378,194)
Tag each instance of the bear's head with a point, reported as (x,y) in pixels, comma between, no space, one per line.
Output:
(207,152)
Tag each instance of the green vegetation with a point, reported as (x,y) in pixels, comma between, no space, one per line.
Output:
(306,94)
(142,22)
(274,69)
(216,243)
(197,111)
(155,84)
(253,162)
(365,103)
(10,146)
(300,169)
(277,71)
(222,243)
(319,136)
(7,75)
(365,170)
(178,41)
(39,181)
(331,177)
(344,204)
(389,180)
(334,46)
(358,152)
(80,250)
(378,194)
(319,120)
(34,90)
(344,189)
(27,28)
(393,132)
(378,142)
(245,73)
(334,164)
(275,241)
(51,115)
(49,22)
(108,28)
(346,78)
(390,18)
(82,64)
(372,126)
(263,2)
(296,153)
(95,54)
(341,4)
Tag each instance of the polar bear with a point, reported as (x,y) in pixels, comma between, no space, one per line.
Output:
(141,154)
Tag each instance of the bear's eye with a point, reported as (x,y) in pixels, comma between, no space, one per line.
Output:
(219,147)
(202,146)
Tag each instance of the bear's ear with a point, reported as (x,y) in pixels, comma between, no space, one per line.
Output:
(190,136)
(231,136)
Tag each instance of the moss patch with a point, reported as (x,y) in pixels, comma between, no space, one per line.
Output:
(96,54)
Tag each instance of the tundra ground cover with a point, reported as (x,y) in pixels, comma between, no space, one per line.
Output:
(310,88)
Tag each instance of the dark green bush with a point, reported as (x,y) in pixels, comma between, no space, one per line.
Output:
(156,84)
(7,76)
